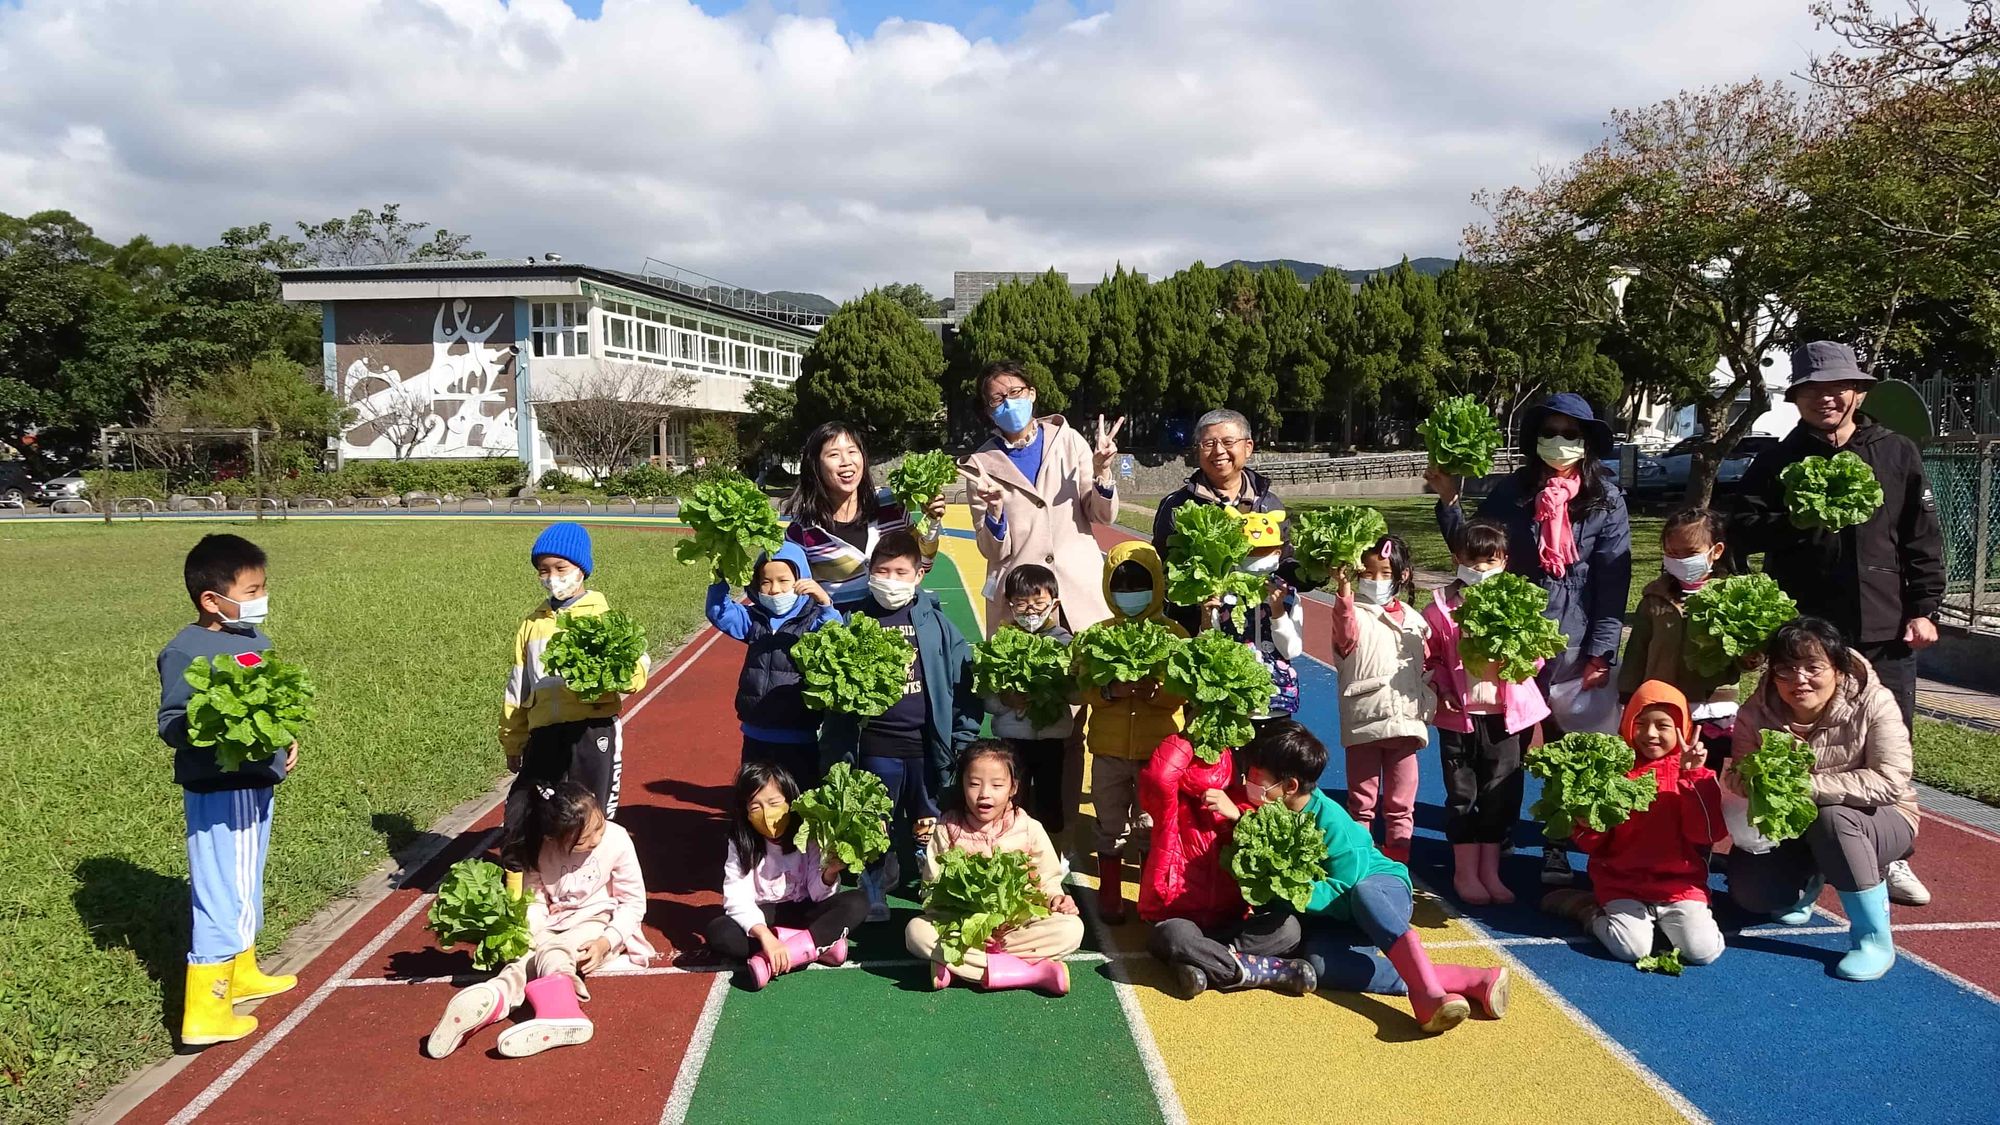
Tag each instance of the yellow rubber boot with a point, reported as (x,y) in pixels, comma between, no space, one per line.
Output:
(205,1014)
(247,982)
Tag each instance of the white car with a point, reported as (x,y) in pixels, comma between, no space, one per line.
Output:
(60,488)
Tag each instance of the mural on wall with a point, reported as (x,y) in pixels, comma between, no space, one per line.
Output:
(428,379)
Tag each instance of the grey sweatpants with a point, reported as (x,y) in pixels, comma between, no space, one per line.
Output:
(1849,846)
(1269,933)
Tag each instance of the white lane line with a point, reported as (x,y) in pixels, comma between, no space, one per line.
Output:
(1904,954)
(297,1016)
(705,970)
(1932,816)
(1155,1064)
(653,692)
(689,1075)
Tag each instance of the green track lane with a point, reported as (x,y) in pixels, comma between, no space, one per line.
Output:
(948,584)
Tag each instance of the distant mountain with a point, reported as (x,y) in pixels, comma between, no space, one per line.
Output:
(811,302)
(1430,267)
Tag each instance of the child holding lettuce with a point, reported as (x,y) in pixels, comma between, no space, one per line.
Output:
(1651,871)
(785,604)
(1385,703)
(1692,552)
(1035,606)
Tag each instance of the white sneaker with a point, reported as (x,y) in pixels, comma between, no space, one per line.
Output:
(1904,886)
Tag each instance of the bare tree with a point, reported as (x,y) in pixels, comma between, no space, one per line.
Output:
(601,415)
(397,410)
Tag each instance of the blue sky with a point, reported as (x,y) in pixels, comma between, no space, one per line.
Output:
(996,18)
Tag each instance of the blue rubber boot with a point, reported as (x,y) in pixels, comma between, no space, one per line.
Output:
(1872,949)
(1802,913)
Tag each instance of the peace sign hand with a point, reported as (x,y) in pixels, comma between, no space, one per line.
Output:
(985,490)
(1106,450)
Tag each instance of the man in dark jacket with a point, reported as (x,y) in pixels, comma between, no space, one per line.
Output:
(1222,441)
(1881,581)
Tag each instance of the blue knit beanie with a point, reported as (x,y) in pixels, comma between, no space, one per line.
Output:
(567,541)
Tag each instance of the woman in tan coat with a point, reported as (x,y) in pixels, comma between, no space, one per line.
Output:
(1037,486)
(1820,690)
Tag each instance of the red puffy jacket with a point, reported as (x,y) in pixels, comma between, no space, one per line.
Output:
(1660,855)
(1184,876)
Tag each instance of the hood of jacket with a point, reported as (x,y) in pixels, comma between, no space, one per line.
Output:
(1658,693)
(795,555)
(1141,552)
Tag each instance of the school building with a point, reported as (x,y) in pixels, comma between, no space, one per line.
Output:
(454,359)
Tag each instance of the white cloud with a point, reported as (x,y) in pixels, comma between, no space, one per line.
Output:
(774,150)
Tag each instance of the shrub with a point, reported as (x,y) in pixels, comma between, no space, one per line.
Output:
(643,480)
(117,484)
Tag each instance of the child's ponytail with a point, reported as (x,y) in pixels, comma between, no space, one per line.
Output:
(551,811)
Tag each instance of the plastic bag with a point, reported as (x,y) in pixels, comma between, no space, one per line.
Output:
(1736,814)
(1576,709)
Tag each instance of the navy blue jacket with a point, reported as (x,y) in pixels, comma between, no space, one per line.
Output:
(195,767)
(955,709)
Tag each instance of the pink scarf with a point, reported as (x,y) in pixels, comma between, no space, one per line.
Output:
(1558,546)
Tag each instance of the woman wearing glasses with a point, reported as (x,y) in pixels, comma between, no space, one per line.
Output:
(1820,690)
(1037,485)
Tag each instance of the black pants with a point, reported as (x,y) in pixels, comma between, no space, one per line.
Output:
(1482,780)
(1042,779)
(829,919)
(1896,666)
(800,759)
(586,751)
(1267,933)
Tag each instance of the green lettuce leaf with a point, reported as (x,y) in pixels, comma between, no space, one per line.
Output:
(1584,783)
(473,908)
(846,817)
(1503,624)
(1668,963)
(1777,777)
(1326,539)
(1225,684)
(857,668)
(1121,652)
(1207,545)
(733,523)
(1830,493)
(1462,436)
(248,707)
(1732,618)
(976,896)
(596,654)
(1015,660)
(1277,855)
(919,479)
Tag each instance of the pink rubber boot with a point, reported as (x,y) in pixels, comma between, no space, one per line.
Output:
(1436,1009)
(1489,874)
(1465,881)
(1004,970)
(1487,989)
(470,1009)
(835,954)
(559,1021)
(798,943)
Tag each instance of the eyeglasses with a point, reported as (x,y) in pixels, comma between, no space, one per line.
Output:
(1212,445)
(1007,396)
(1801,672)
(1031,607)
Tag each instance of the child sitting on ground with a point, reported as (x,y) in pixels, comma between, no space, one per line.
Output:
(1692,548)
(1202,929)
(1385,703)
(1362,886)
(785,604)
(1127,720)
(784,898)
(548,733)
(1652,870)
(1484,725)
(912,745)
(588,901)
(1035,606)
(228,810)
(989,820)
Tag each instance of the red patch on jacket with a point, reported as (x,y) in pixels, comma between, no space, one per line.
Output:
(249,659)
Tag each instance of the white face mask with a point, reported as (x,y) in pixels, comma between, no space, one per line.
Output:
(251,612)
(1375,591)
(1262,564)
(891,593)
(1690,570)
(1033,622)
(1132,603)
(1473,576)
(1560,453)
(564,586)
(778,604)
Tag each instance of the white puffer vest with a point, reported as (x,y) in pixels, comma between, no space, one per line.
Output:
(1382,689)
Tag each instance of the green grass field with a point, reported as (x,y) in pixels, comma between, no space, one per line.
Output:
(405,629)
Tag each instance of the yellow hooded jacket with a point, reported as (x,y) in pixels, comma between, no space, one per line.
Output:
(534,698)
(1129,727)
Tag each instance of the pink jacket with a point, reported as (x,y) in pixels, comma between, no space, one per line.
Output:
(1521,705)
(780,876)
(602,883)
(1048,521)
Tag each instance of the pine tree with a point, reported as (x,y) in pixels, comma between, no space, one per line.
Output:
(876,367)
(1039,325)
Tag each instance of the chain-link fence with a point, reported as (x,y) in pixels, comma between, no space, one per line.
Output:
(1962,478)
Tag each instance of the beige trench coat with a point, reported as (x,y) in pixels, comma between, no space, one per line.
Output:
(1048,521)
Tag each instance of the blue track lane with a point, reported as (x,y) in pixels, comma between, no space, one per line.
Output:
(1767,1033)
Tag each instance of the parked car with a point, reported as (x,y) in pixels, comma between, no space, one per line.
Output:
(60,488)
(1666,475)
(15,483)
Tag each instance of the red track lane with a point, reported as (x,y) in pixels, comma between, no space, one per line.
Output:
(358,1056)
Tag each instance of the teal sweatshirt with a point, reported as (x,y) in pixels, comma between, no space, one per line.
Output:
(1351,857)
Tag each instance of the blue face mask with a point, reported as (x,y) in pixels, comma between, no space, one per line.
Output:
(779,605)
(1013,415)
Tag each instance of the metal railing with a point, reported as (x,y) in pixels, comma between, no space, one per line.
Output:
(666,275)
(1961,476)
(1383,466)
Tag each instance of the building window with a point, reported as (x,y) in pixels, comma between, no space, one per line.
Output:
(561,328)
